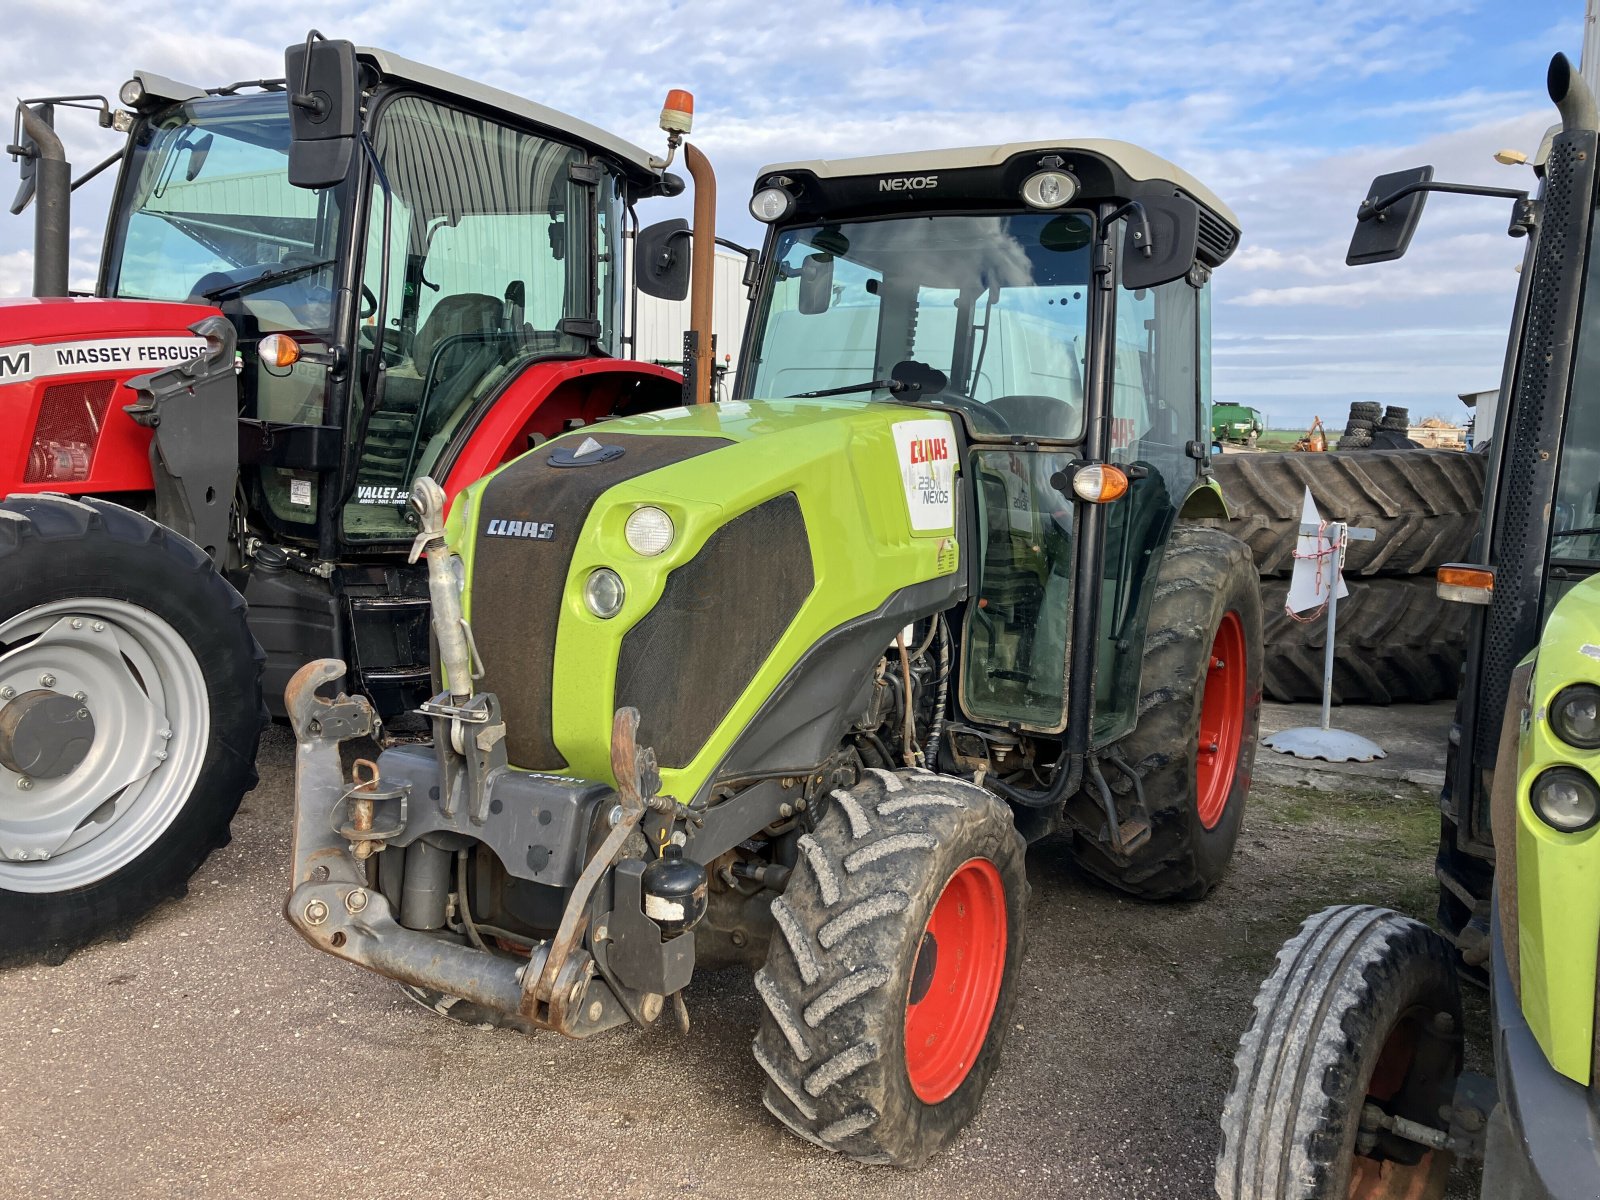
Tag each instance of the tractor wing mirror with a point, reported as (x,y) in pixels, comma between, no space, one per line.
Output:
(30,154)
(1388,216)
(1162,246)
(324,113)
(661,259)
(816,284)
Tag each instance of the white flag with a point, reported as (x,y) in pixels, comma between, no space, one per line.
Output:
(1312,580)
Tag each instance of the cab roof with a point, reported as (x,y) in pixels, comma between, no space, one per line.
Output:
(393,66)
(1135,162)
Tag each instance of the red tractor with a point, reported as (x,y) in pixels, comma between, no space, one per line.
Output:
(312,291)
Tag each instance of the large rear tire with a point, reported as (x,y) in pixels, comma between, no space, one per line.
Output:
(1397,643)
(1424,505)
(1362,1008)
(1199,713)
(107,809)
(892,972)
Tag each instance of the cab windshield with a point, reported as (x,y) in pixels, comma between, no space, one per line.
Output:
(207,214)
(985,313)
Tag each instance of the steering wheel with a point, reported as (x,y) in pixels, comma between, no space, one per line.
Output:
(983,418)
(1042,415)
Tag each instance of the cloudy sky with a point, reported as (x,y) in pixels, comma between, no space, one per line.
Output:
(1286,108)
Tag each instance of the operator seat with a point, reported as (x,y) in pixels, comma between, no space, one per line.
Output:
(459,330)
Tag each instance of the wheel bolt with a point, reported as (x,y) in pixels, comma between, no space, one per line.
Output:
(47,680)
(98,627)
(316,912)
(166,735)
(6,693)
(80,697)
(161,756)
(356,900)
(76,623)
(25,784)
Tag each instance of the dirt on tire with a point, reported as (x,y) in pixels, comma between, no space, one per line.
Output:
(1424,505)
(1397,642)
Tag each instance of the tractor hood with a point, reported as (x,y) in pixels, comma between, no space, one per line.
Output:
(63,363)
(769,503)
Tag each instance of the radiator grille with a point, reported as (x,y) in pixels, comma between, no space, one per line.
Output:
(71,416)
(687,662)
(518,581)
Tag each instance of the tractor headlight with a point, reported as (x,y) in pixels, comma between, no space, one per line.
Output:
(649,531)
(771,204)
(1575,716)
(131,93)
(1566,799)
(1048,189)
(603,593)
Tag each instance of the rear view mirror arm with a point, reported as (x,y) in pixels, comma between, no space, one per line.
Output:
(1371,209)
(1142,234)
(304,97)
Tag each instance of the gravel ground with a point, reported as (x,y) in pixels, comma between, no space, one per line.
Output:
(215,1054)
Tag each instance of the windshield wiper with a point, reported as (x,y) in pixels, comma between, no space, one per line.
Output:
(260,281)
(1584,532)
(893,385)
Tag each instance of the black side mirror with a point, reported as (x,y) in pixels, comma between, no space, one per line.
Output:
(198,153)
(324,113)
(30,155)
(1162,246)
(661,259)
(816,284)
(1388,217)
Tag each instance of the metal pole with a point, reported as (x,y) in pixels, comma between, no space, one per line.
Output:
(1336,538)
(52,207)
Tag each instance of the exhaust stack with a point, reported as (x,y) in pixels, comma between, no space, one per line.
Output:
(52,204)
(1572,97)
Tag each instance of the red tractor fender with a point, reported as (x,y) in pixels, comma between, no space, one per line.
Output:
(64,364)
(548,397)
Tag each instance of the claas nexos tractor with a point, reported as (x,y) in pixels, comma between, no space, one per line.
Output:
(790,681)
(313,290)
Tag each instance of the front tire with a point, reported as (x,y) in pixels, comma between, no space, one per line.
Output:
(892,971)
(1362,1009)
(102,605)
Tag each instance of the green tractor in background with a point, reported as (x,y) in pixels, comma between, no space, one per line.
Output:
(1349,1082)
(790,681)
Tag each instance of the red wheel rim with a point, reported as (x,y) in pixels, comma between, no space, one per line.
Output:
(1221,721)
(955,980)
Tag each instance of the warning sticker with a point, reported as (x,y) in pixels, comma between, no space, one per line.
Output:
(300,492)
(927,454)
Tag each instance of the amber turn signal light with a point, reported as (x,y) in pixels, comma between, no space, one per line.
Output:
(1465,583)
(1099,483)
(278,350)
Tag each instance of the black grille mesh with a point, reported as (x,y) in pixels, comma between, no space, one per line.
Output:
(517,582)
(1217,237)
(1528,473)
(686,664)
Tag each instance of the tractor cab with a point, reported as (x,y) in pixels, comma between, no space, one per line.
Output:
(470,234)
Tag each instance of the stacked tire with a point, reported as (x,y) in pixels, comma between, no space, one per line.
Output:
(1397,642)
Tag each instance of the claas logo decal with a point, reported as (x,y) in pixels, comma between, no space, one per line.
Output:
(927,450)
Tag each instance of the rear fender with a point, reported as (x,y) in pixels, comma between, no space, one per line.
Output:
(1205,499)
(544,399)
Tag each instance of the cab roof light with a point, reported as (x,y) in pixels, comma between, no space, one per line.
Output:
(677,114)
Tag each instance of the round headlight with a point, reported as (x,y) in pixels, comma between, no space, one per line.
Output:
(131,93)
(649,531)
(1048,189)
(603,593)
(1575,716)
(1566,799)
(771,204)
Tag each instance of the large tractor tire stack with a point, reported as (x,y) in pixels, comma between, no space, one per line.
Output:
(1397,642)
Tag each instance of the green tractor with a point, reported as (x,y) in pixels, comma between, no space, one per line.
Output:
(790,681)
(1349,1082)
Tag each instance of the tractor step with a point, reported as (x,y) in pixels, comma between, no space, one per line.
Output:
(1132,834)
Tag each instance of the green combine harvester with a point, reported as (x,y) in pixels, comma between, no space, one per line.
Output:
(790,681)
